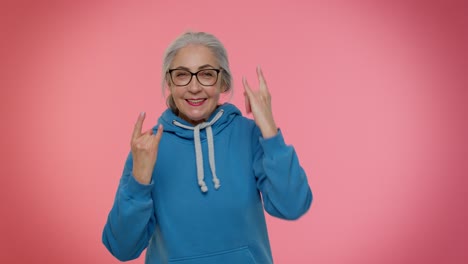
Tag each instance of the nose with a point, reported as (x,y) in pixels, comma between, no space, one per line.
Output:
(194,86)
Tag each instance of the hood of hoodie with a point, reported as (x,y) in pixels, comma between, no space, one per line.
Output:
(168,117)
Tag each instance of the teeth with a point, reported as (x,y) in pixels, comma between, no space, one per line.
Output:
(196,101)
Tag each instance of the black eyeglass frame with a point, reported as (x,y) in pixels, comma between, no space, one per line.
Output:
(196,76)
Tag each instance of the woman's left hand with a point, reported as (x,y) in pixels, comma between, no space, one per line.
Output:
(259,104)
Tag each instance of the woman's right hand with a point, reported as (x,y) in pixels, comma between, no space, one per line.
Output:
(144,150)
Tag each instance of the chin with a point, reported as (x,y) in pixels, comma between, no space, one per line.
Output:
(193,119)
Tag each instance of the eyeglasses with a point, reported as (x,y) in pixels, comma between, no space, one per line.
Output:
(205,77)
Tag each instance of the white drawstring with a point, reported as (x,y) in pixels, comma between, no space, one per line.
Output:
(198,150)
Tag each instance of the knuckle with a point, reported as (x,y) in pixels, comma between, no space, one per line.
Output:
(140,146)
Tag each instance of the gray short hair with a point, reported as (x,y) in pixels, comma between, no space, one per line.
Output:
(197,38)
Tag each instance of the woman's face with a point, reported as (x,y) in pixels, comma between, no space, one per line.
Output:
(195,102)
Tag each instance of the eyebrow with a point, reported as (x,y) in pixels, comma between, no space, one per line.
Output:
(201,67)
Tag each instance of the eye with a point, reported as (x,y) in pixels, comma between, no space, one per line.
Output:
(181,74)
(207,74)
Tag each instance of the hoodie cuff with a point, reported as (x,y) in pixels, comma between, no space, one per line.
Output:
(272,144)
(137,190)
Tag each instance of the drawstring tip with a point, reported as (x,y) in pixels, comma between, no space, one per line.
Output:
(202,185)
(216,183)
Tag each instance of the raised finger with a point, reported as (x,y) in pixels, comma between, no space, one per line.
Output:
(248,109)
(247,88)
(249,95)
(138,125)
(157,136)
(261,79)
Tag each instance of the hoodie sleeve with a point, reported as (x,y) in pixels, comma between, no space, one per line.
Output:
(131,221)
(280,178)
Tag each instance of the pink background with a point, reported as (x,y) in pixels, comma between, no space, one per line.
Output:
(372,95)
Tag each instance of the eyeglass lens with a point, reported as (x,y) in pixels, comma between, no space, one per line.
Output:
(205,77)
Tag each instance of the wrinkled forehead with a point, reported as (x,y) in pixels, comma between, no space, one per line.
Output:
(194,57)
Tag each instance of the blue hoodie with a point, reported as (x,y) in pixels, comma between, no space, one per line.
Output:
(205,203)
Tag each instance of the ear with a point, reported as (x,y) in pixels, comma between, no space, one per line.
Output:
(168,81)
(223,88)
(169,86)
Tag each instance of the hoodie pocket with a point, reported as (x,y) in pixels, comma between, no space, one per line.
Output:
(232,256)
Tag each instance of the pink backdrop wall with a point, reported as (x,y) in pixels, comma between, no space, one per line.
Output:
(372,95)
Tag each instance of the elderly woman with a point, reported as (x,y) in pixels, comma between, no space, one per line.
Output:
(166,203)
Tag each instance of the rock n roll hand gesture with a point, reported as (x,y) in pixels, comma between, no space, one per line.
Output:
(259,104)
(144,150)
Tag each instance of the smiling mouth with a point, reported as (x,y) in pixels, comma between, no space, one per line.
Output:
(195,102)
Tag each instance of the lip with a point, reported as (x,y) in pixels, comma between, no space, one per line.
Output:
(195,101)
